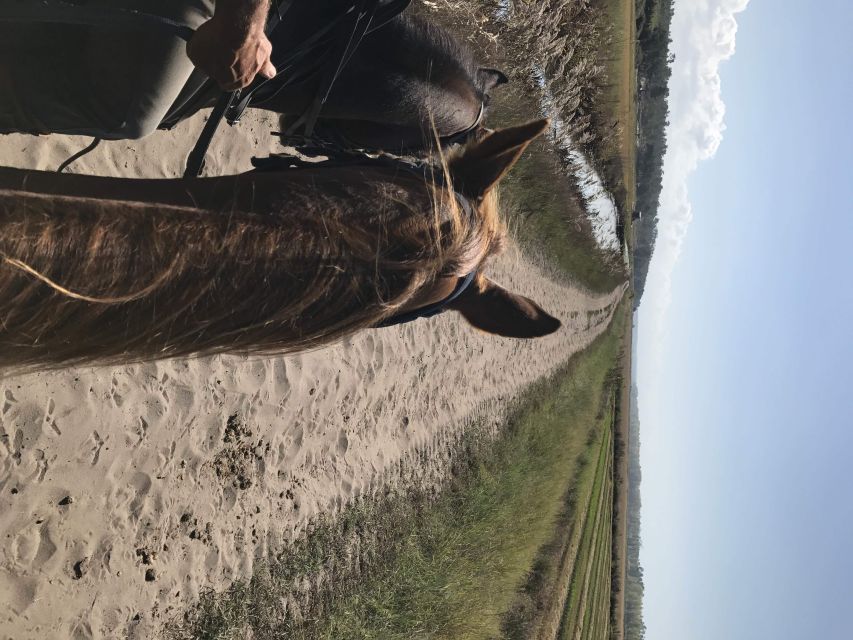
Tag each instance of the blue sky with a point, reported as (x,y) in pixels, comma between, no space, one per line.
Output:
(745,349)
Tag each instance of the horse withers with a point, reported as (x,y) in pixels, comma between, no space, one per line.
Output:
(106,270)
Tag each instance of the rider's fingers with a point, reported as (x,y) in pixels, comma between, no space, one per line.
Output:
(268,70)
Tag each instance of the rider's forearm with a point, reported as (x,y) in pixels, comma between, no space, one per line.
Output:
(245,15)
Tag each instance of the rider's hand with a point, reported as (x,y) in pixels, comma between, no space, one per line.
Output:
(231,54)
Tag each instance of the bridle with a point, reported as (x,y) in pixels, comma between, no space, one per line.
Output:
(429,310)
(420,169)
(462,136)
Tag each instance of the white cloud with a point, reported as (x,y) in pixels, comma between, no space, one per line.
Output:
(703,34)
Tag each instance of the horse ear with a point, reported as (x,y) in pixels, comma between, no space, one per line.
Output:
(483,163)
(493,309)
(488,79)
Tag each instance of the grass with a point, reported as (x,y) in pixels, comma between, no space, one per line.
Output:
(545,213)
(583,571)
(622,437)
(597,611)
(412,566)
(618,102)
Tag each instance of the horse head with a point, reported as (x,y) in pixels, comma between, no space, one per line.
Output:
(474,173)
(409,84)
(105,270)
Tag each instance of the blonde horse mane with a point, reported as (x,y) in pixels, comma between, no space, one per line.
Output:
(99,281)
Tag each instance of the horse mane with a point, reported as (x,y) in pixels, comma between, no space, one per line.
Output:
(91,281)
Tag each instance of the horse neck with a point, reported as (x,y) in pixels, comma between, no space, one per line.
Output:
(95,279)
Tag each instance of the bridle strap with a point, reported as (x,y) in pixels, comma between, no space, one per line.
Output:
(430,310)
(462,136)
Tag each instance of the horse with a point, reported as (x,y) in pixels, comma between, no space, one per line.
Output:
(98,270)
(406,84)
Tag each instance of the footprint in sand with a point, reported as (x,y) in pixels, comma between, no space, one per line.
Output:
(32,548)
(9,401)
(91,452)
(17,593)
(288,451)
(141,484)
(113,394)
(343,443)
(17,446)
(49,419)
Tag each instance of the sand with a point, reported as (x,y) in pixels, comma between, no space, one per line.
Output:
(126,491)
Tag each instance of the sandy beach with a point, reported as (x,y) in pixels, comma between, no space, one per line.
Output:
(125,491)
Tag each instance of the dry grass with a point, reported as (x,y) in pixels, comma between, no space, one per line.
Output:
(619,105)
(558,41)
(541,196)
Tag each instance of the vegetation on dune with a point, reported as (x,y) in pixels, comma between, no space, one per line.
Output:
(546,216)
(416,565)
(618,107)
(558,41)
(559,48)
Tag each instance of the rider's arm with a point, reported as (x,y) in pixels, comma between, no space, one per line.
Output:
(232,47)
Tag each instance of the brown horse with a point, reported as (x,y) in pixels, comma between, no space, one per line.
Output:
(104,270)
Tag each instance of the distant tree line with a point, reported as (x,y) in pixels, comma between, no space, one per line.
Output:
(635,628)
(654,67)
